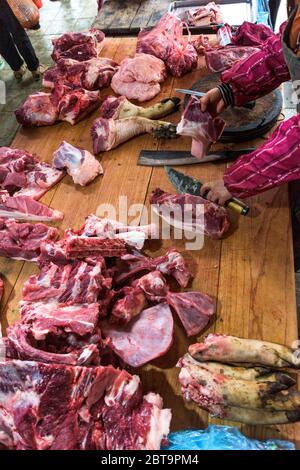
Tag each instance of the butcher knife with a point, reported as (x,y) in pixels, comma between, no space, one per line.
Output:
(186,184)
(181,157)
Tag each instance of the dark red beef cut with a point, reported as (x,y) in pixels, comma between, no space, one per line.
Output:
(57,407)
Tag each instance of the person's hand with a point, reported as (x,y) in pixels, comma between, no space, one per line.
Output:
(216,192)
(212,102)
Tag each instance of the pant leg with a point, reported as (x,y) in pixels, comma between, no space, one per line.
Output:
(8,49)
(274,8)
(20,38)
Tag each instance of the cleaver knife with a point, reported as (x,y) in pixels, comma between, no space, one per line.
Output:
(181,157)
(186,184)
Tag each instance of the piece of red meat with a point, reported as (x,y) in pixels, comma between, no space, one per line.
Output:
(60,407)
(202,127)
(93,74)
(23,241)
(251,34)
(194,310)
(215,218)
(77,104)
(39,109)
(171,264)
(24,174)
(77,282)
(78,46)
(26,208)
(129,306)
(222,58)
(145,338)
(204,15)
(166,41)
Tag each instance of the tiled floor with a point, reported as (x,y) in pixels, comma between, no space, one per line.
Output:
(56,18)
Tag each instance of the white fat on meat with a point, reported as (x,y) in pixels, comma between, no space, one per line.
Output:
(159,423)
(81,165)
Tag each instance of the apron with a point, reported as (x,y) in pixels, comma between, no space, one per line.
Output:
(292,61)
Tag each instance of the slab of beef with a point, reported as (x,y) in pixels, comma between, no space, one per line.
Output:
(57,407)
(251,34)
(222,58)
(77,104)
(78,46)
(57,333)
(26,208)
(93,74)
(23,241)
(146,337)
(39,109)
(76,282)
(139,78)
(80,164)
(172,264)
(24,174)
(202,127)
(216,221)
(166,41)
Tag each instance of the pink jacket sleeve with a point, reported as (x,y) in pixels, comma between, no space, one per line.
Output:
(274,163)
(260,73)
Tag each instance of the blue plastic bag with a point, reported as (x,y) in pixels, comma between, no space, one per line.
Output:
(221,438)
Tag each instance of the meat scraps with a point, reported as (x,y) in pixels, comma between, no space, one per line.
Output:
(205,15)
(126,339)
(23,241)
(25,208)
(78,46)
(93,74)
(222,58)
(60,407)
(251,34)
(202,127)
(64,103)
(215,217)
(80,164)
(139,78)
(23,174)
(166,42)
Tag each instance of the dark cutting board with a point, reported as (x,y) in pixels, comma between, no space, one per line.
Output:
(243,124)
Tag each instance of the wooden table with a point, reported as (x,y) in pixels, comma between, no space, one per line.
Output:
(249,272)
(127,16)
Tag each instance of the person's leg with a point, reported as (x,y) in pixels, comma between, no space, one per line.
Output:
(274,8)
(8,49)
(22,41)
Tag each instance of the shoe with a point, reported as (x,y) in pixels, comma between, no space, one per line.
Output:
(19,74)
(38,73)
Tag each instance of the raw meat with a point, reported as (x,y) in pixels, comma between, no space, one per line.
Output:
(26,208)
(78,46)
(215,219)
(222,58)
(194,310)
(23,241)
(202,127)
(21,173)
(77,408)
(77,282)
(171,264)
(77,104)
(119,108)
(39,109)
(251,34)
(139,78)
(144,338)
(204,15)
(80,164)
(129,306)
(166,42)
(93,74)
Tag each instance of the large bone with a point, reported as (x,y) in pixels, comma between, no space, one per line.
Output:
(120,108)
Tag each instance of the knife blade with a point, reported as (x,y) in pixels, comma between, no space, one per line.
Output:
(187,184)
(189,92)
(182,157)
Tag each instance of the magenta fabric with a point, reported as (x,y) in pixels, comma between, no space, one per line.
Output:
(260,73)
(274,163)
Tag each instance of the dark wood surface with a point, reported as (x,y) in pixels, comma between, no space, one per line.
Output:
(249,273)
